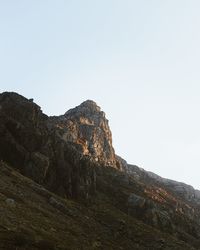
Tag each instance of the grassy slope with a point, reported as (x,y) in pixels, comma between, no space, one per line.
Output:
(34,223)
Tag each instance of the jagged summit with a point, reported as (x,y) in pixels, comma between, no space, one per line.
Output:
(90,104)
(87,127)
(87,107)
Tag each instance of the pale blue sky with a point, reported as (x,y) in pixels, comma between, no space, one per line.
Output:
(139,60)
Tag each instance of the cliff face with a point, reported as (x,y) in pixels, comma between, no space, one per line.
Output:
(55,151)
(31,145)
(87,127)
(72,155)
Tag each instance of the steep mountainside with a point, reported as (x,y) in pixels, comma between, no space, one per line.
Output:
(77,194)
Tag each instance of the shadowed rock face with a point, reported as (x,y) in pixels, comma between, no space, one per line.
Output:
(31,145)
(22,132)
(55,151)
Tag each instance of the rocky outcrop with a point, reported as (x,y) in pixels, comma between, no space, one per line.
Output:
(29,144)
(22,133)
(183,190)
(55,151)
(87,127)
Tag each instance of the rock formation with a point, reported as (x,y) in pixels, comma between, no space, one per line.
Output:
(87,127)
(72,156)
(30,144)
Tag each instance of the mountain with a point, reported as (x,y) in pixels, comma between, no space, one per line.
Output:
(87,127)
(63,187)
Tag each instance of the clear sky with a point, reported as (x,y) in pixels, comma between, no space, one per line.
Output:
(138,59)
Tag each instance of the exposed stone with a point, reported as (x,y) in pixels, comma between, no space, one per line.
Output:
(87,127)
(37,166)
(136,201)
(30,144)
(60,206)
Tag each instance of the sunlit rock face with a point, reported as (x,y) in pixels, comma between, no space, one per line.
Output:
(87,127)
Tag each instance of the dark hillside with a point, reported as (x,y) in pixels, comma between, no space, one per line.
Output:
(63,187)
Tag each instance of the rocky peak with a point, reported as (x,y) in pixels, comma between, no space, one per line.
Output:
(89,106)
(87,127)
(88,109)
